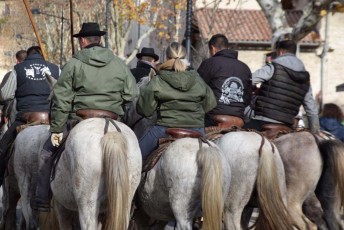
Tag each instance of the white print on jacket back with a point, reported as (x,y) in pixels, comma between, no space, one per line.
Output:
(37,72)
(232,91)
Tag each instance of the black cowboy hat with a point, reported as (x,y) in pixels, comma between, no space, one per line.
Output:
(147,52)
(89,29)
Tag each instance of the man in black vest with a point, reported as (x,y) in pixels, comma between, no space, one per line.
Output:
(8,107)
(147,60)
(285,86)
(30,87)
(230,80)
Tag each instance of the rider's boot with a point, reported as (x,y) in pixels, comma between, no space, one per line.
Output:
(41,200)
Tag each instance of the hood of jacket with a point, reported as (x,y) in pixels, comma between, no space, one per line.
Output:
(95,56)
(298,76)
(227,53)
(182,81)
(329,124)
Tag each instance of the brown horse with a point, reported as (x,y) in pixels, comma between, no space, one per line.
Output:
(313,165)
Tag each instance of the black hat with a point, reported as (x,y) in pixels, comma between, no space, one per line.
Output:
(89,29)
(147,52)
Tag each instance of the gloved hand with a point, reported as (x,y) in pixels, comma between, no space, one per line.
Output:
(56,139)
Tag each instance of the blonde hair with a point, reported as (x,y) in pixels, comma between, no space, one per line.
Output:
(174,53)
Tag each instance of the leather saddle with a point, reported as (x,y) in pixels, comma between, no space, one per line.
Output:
(34,118)
(174,133)
(272,130)
(181,133)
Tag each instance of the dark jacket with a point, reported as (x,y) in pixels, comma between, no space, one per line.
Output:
(142,70)
(280,97)
(180,98)
(33,90)
(333,126)
(230,80)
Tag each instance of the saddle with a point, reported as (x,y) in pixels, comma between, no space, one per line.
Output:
(271,131)
(92,113)
(225,122)
(174,134)
(181,133)
(34,118)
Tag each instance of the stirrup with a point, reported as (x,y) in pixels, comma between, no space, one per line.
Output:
(40,205)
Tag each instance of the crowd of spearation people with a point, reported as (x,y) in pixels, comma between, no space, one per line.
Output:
(183,97)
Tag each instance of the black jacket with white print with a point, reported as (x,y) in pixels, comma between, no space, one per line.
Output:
(230,80)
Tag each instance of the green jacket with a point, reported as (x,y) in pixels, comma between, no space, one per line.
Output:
(180,98)
(93,79)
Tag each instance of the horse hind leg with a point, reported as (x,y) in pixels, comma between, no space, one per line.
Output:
(326,193)
(65,217)
(312,209)
(9,200)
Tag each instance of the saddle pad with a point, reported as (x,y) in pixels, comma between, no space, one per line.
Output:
(154,157)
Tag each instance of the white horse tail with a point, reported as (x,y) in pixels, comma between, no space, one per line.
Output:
(273,213)
(209,161)
(333,154)
(115,162)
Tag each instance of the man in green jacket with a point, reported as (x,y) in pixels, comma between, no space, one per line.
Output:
(94,83)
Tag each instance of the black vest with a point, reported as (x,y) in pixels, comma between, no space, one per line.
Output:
(280,97)
(32,87)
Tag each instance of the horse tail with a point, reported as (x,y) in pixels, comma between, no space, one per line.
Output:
(209,161)
(332,152)
(115,162)
(273,213)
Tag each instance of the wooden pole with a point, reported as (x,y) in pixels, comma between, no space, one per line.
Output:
(71,24)
(35,28)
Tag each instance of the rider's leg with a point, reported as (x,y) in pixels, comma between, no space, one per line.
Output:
(5,143)
(41,200)
(149,141)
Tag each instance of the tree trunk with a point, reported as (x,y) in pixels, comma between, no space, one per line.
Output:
(311,16)
(276,18)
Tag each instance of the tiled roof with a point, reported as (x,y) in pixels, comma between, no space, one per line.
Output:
(241,26)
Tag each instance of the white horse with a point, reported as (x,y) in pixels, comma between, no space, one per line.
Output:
(28,144)
(96,173)
(190,180)
(258,172)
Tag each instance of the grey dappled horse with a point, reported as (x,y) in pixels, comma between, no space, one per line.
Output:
(96,173)
(312,167)
(188,181)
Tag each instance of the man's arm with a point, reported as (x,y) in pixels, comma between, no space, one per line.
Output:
(63,95)
(263,74)
(311,109)
(10,87)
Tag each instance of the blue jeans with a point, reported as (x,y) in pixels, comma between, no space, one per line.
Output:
(149,141)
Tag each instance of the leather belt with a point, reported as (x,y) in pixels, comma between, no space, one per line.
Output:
(36,117)
(91,113)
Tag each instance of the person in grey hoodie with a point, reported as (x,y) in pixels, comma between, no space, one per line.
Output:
(94,83)
(285,86)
